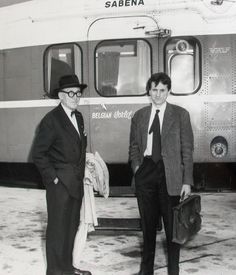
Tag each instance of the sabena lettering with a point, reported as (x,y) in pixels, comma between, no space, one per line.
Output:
(123,3)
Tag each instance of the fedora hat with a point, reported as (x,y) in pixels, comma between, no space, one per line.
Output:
(69,81)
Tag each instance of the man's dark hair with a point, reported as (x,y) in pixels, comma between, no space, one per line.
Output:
(157,78)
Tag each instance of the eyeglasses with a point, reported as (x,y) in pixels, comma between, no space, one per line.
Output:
(71,94)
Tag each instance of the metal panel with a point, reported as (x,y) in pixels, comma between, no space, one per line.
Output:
(219,64)
(121,27)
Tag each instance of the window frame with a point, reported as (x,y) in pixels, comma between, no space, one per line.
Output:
(167,61)
(116,42)
(47,92)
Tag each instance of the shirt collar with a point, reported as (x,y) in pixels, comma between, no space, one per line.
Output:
(67,110)
(161,108)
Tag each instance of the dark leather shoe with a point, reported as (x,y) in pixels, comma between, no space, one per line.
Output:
(81,272)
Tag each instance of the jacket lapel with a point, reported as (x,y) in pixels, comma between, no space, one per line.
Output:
(83,136)
(67,125)
(144,125)
(167,121)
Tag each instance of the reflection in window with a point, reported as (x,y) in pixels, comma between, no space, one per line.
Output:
(60,60)
(122,67)
(182,61)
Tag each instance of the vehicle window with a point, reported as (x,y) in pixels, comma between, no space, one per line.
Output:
(182,63)
(61,60)
(122,67)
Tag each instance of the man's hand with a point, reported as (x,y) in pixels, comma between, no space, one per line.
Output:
(185,192)
(56,180)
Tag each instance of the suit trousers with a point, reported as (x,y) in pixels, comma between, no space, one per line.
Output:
(63,221)
(154,200)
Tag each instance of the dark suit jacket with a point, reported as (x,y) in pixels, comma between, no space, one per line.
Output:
(176,142)
(59,151)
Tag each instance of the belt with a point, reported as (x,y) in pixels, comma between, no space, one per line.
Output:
(147,157)
(150,157)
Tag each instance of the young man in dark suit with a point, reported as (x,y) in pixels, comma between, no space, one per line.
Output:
(59,153)
(161,148)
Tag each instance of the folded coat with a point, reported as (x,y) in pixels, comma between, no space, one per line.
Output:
(96,178)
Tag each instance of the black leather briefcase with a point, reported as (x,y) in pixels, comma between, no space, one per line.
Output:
(187,219)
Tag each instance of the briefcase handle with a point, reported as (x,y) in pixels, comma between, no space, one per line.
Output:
(182,198)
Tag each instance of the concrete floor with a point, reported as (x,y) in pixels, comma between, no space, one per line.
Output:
(22,237)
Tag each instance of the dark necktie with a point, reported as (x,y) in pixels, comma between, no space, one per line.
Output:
(156,138)
(73,113)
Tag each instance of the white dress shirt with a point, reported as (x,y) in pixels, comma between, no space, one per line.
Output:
(71,118)
(148,151)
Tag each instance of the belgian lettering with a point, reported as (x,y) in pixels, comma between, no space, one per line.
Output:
(123,3)
(101,115)
(109,115)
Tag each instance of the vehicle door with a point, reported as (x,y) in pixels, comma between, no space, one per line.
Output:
(122,56)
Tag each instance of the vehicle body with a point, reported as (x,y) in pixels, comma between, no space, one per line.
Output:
(114,46)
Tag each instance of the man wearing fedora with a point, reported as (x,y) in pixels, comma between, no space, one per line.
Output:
(59,153)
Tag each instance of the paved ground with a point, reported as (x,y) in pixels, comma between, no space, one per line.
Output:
(22,237)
